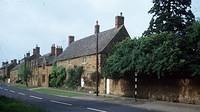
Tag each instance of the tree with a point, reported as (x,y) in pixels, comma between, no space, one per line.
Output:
(170,16)
(24,73)
(160,54)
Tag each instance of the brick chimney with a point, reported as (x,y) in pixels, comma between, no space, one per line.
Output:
(37,50)
(70,39)
(28,54)
(119,21)
(12,61)
(34,51)
(53,50)
(15,61)
(59,50)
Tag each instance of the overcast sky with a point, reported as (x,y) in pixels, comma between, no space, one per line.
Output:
(25,23)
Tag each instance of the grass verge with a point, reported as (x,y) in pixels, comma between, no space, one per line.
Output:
(22,86)
(11,105)
(57,92)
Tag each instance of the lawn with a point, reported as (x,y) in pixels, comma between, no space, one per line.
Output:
(23,86)
(57,92)
(11,105)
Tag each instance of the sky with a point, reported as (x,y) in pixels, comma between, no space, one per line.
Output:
(27,23)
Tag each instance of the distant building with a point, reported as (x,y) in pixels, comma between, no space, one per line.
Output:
(6,68)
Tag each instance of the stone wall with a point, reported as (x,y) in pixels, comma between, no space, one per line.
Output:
(1,72)
(13,76)
(44,73)
(40,76)
(184,90)
(89,66)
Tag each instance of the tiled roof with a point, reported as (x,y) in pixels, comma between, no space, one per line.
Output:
(87,46)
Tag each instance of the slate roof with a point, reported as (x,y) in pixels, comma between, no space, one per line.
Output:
(16,67)
(87,46)
(48,59)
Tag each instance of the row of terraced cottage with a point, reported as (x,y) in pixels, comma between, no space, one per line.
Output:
(83,53)
(78,53)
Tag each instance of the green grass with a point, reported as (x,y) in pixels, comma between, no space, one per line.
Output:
(58,92)
(11,105)
(22,86)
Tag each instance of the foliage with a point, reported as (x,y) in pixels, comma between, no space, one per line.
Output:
(170,16)
(24,73)
(11,105)
(2,78)
(74,77)
(159,54)
(57,76)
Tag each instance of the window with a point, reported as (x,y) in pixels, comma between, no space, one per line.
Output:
(43,78)
(84,59)
(69,62)
(43,66)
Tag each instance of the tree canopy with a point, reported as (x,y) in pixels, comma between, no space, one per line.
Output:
(24,73)
(159,54)
(170,16)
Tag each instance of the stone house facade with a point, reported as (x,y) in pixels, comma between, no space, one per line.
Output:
(6,69)
(45,65)
(83,52)
(14,74)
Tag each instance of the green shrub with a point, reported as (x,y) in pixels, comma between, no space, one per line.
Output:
(57,76)
(74,77)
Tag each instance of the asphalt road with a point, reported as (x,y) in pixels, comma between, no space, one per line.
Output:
(60,104)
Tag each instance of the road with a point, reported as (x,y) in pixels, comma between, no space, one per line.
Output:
(60,104)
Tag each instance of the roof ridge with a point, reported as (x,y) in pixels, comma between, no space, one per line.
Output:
(91,36)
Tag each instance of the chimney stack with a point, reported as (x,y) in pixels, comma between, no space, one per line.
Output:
(37,50)
(59,50)
(28,54)
(3,64)
(34,51)
(70,39)
(53,50)
(119,21)
(15,61)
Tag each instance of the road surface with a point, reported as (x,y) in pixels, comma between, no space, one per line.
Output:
(60,104)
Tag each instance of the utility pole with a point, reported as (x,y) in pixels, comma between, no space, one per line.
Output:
(97,58)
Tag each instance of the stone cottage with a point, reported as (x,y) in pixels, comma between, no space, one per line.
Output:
(83,52)
(45,65)
(6,68)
